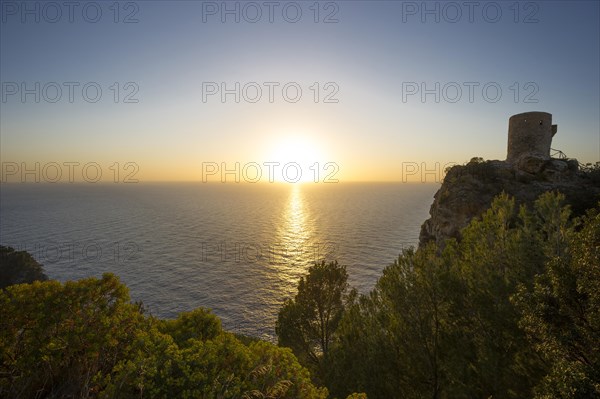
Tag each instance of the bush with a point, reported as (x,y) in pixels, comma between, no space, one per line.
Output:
(59,340)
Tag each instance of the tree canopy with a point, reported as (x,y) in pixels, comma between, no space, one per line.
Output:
(510,311)
(85,339)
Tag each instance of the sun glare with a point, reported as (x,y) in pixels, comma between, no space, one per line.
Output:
(296,155)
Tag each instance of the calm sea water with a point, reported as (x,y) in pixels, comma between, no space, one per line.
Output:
(237,249)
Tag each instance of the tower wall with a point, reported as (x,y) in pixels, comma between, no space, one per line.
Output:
(530,134)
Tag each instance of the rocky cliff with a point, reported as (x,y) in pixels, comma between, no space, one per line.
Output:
(468,190)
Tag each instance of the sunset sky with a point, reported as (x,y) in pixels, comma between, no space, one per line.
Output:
(370,57)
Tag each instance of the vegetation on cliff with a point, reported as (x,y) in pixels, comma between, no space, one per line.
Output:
(86,339)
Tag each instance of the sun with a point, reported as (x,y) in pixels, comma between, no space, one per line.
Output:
(296,149)
(299,159)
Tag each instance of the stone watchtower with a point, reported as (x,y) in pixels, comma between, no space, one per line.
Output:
(530,135)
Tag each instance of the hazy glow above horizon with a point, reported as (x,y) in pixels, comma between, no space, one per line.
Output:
(365,85)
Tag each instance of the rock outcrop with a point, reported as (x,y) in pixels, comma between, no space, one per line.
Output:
(468,190)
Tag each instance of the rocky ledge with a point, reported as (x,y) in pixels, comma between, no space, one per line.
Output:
(467,190)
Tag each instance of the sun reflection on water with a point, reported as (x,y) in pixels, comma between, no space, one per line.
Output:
(295,230)
(294,252)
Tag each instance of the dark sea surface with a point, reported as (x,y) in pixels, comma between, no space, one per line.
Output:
(237,249)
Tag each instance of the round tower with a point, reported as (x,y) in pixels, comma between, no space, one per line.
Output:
(530,134)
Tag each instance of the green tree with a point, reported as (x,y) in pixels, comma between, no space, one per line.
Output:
(219,367)
(307,322)
(413,300)
(62,340)
(199,324)
(17,267)
(442,324)
(561,314)
(277,373)
(85,339)
(391,343)
(498,251)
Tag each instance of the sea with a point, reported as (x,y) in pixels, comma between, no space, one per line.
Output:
(237,249)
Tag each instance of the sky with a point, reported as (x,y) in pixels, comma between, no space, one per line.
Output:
(293,91)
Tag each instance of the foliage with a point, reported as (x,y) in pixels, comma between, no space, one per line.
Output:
(17,267)
(482,170)
(276,365)
(85,339)
(199,324)
(59,340)
(592,171)
(306,324)
(395,332)
(498,251)
(445,325)
(561,315)
(220,367)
